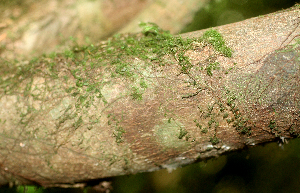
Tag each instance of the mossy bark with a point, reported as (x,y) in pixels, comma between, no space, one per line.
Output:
(67,121)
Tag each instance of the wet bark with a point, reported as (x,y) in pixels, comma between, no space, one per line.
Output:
(52,136)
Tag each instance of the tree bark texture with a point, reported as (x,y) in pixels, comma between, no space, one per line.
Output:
(52,137)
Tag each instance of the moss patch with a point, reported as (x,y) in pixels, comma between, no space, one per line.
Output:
(95,76)
(214,38)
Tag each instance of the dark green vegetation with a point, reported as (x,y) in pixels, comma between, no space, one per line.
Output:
(218,13)
(215,39)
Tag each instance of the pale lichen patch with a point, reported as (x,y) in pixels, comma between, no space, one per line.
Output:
(167,134)
(59,110)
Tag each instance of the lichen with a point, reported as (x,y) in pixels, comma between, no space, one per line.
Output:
(169,134)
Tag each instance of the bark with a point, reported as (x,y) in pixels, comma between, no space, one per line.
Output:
(54,134)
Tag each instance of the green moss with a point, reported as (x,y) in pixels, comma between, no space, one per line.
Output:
(116,56)
(214,140)
(273,127)
(241,126)
(87,73)
(68,54)
(182,133)
(143,84)
(136,94)
(240,122)
(118,134)
(214,38)
(114,123)
(211,67)
(210,122)
(209,111)
(124,69)
(225,115)
(204,130)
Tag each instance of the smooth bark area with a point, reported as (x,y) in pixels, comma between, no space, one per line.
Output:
(161,118)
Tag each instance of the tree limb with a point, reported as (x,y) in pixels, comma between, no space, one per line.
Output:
(70,118)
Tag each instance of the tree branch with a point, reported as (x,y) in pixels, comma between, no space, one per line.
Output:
(142,102)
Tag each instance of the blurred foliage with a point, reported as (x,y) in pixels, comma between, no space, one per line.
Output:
(11,2)
(220,12)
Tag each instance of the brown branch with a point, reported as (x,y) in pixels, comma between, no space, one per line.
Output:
(50,126)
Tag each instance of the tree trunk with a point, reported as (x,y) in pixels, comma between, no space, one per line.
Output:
(72,117)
